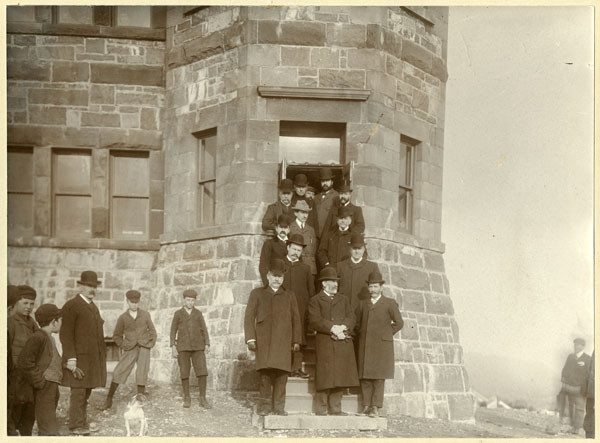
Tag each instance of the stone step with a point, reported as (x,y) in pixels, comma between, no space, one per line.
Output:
(297,385)
(309,421)
(303,403)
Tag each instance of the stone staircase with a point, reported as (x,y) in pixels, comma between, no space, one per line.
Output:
(300,404)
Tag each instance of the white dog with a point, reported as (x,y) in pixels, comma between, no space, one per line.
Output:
(134,413)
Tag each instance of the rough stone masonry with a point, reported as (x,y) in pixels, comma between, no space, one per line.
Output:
(102,89)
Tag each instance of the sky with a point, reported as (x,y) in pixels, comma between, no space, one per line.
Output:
(517,215)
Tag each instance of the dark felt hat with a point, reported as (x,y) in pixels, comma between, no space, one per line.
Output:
(89,278)
(25,291)
(579,341)
(344,211)
(375,277)
(284,220)
(301,205)
(300,180)
(190,293)
(345,187)
(277,267)
(297,239)
(286,185)
(46,313)
(12,295)
(357,240)
(328,273)
(133,295)
(325,174)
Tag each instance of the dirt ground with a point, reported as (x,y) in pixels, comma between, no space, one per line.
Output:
(230,417)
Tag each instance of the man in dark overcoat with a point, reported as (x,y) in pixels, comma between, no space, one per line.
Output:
(282,206)
(272,330)
(358,221)
(298,279)
(378,319)
(300,189)
(84,352)
(334,246)
(331,316)
(588,421)
(274,248)
(354,271)
(324,200)
(301,226)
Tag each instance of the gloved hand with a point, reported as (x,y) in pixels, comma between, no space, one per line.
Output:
(78,374)
(252,345)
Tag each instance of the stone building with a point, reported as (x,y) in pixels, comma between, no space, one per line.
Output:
(146,142)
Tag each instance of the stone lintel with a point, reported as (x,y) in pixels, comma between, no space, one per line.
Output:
(124,32)
(212,232)
(315,93)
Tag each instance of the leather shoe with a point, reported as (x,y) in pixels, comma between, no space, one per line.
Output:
(366,410)
(320,413)
(280,413)
(374,412)
(79,431)
(338,413)
(204,403)
(107,404)
(187,402)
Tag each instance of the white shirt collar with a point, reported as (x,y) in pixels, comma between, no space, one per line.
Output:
(343,230)
(290,260)
(373,301)
(355,261)
(579,354)
(328,294)
(85,299)
(301,225)
(133,313)
(347,203)
(189,311)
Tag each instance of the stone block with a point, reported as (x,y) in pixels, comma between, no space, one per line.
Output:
(455,331)
(434,261)
(279,76)
(70,72)
(420,100)
(346,35)
(325,58)
(438,304)
(22,70)
(312,422)
(130,120)
(410,330)
(47,115)
(265,55)
(302,33)
(65,97)
(17,53)
(95,45)
(416,279)
(439,69)
(295,56)
(198,251)
(24,40)
(55,52)
(333,78)
(413,301)
(437,335)
(410,257)
(403,351)
(201,48)
(382,83)
(100,119)
(305,110)
(102,94)
(417,56)
(126,75)
(366,58)
(308,82)
(453,354)
(148,118)
(137,99)
(413,378)
(461,406)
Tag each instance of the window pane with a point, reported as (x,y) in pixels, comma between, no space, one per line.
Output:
(20,14)
(20,214)
(72,216)
(130,176)
(81,15)
(134,16)
(309,149)
(19,169)
(403,209)
(208,202)
(130,218)
(405,165)
(72,173)
(208,158)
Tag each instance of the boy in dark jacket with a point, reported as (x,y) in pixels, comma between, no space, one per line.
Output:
(41,365)
(135,335)
(189,342)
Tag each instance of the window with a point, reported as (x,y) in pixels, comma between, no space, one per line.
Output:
(80,15)
(207,169)
(308,142)
(71,193)
(140,16)
(20,14)
(129,195)
(20,191)
(406,187)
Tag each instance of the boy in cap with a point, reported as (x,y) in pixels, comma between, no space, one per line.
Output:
(378,318)
(21,328)
(274,248)
(189,343)
(41,365)
(281,206)
(135,335)
(12,293)
(574,377)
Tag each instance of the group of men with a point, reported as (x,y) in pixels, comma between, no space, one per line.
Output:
(318,281)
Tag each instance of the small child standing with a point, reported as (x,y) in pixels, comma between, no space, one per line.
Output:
(189,343)
(41,364)
(135,335)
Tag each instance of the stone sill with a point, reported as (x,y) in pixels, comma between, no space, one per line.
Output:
(314,93)
(213,232)
(85,243)
(404,238)
(124,32)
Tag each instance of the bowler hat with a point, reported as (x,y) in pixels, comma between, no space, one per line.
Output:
(325,174)
(133,295)
(190,293)
(284,220)
(345,187)
(375,277)
(328,273)
(344,211)
(297,239)
(300,180)
(89,278)
(301,205)
(12,295)
(276,267)
(25,291)
(357,240)
(286,185)
(46,313)
(579,341)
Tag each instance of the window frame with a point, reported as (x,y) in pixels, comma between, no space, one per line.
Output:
(408,187)
(23,150)
(201,181)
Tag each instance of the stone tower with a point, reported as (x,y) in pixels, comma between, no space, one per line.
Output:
(211,107)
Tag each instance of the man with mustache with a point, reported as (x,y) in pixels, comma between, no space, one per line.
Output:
(358,221)
(324,201)
(281,206)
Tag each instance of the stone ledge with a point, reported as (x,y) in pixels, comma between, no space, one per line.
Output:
(307,421)
(121,32)
(85,243)
(213,232)
(314,93)
(403,238)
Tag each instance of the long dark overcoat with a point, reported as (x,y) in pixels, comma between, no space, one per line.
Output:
(298,279)
(82,337)
(272,248)
(336,364)
(353,278)
(272,320)
(274,210)
(334,247)
(323,204)
(358,221)
(376,326)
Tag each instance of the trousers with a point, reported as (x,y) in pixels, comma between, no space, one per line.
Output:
(372,392)
(329,400)
(78,407)
(272,389)
(46,401)
(588,422)
(138,356)
(576,407)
